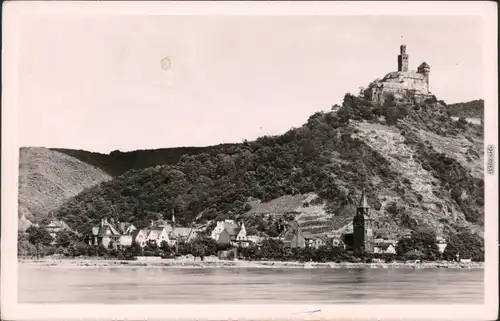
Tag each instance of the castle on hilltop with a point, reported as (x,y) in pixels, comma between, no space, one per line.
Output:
(402,84)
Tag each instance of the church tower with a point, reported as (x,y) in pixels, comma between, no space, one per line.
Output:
(363,227)
(402,59)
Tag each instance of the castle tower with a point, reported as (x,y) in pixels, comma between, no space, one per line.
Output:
(363,227)
(425,69)
(402,59)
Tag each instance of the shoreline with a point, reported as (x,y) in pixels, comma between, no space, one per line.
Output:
(175,263)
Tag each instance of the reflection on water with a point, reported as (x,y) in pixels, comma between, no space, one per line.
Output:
(39,284)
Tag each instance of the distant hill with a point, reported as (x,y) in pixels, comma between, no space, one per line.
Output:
(117,162)
(48,178)
(418,167)
(471,109)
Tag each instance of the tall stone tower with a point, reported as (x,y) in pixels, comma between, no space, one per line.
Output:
(363,227)
(402,59)
(424,69)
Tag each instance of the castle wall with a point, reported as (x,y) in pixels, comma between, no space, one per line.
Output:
(418,85)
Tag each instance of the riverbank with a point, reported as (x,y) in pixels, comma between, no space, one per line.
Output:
(214,263)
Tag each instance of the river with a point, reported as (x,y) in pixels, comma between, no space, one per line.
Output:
(111,285)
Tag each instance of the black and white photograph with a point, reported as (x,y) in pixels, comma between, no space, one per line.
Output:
(322,159)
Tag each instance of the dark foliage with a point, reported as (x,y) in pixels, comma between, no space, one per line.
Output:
(39,237)
(471,109)
(422,241)
(466,245)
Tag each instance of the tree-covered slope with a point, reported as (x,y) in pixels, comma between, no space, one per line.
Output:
(392,152)
(470,109)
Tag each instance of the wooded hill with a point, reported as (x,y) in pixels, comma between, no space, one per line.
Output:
(471,109)
(417,166)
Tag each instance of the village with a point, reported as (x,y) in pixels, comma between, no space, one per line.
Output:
(229,240)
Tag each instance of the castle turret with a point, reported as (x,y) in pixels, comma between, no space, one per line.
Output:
(425,69)
(402,59)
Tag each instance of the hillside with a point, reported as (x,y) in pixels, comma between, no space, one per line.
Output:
(471,109)
(417,166)
(47,179)
(117,162)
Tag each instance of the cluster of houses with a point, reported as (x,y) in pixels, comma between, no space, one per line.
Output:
(124,234)
(296,238)
(229,233)
(226,233)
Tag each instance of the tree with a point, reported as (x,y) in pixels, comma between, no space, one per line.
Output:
(102,250)
(65,238)
(272,249)
(164,247)
(197,249)
(151,248)
(134,250)
(79,248)
(24,247)
(249,253)
(423,241)
(466,245)
(209,244)
(38,236)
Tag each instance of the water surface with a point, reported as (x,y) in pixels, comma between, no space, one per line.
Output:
(42,284)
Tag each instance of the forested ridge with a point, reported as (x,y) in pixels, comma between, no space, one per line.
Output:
(470,109)
(117,162)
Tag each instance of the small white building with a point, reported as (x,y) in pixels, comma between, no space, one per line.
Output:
(155,234)
(221,226)
(441,243)
(318,242)
(385,248)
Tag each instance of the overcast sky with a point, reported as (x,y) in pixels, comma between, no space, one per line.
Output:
(97,83)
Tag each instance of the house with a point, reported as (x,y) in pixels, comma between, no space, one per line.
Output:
(56,226)
(296,238)
(221,225)
(105,234)
(309,238)
(384,248)
(441,244)
(183,234)
(319,242)
(231,234)
(120,234)
(155,235)
(126,228)
(335,240)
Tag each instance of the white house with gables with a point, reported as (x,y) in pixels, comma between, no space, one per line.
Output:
(154,234)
